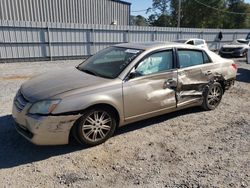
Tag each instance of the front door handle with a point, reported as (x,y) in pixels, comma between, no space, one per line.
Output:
(170,84)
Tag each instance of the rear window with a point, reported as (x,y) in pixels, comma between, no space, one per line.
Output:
(190,42)
(199,42)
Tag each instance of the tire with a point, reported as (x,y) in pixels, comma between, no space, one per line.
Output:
(95,126)
(212,96)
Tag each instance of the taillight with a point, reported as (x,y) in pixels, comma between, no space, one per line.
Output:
(234,66)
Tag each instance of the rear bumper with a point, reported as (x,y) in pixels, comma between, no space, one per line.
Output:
(44,130)
(229,83)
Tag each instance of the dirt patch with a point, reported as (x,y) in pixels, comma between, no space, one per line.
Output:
(70,178)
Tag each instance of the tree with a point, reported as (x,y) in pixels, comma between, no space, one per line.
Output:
(161,7)
(151,19)
(247,19)
(235,20)
(174,12)
(195,14)
(200,13)
(138,20)
(161,15)
(162,21)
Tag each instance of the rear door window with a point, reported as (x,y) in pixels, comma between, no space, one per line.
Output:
(188,58)
(206,58)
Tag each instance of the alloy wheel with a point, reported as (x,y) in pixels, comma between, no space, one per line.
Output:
(214,96)
(96,126)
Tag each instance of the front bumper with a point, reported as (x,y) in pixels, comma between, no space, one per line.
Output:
(232,53)
(43,130)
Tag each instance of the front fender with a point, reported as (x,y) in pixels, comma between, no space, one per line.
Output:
(80,102)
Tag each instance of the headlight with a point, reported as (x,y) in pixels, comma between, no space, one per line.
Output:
(44,107)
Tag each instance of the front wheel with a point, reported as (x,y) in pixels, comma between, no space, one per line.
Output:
(212,96)
(96,126)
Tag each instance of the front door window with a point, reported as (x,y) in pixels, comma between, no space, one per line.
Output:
(155,63)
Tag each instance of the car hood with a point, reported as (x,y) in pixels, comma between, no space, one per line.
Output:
(235,46)
(47,85)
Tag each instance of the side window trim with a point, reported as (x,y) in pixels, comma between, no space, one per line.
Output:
(205,54)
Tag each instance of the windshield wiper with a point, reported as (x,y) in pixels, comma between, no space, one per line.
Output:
(86,71)
(89,72)
(93,73)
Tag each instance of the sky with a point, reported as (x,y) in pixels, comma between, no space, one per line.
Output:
(140,5)
(144,4)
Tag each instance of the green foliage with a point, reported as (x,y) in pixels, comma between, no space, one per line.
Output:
(200,13)
(162,21)
(236,20)
(197,15)
(161,6)
(247,21)
(161,16)
(138,20)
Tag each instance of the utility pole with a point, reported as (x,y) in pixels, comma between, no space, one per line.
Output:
(179,14)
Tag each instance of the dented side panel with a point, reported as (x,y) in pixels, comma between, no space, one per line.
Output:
(148,94)
(190,84)
(192,81)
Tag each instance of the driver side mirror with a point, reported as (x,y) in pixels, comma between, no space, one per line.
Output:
(133,75)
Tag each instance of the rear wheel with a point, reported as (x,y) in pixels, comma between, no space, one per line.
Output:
(212,96)
(96,126)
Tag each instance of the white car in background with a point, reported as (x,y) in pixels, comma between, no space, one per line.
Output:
(194,41)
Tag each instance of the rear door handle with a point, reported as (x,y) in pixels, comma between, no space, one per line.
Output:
(208,73)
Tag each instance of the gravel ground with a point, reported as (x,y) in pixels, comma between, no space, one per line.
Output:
(188,148)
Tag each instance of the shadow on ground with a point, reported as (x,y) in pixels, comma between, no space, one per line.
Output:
(15,150)
(243,75)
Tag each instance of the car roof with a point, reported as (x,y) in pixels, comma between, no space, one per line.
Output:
(155,45)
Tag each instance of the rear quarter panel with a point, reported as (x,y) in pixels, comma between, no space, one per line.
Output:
(222,66)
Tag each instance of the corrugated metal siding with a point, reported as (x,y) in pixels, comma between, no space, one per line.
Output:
(20,40)
(66,11)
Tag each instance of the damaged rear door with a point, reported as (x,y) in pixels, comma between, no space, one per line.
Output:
(194,74)
(151,86)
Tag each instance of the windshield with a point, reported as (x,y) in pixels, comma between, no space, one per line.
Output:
(243,41)
(110,62)
(248,36)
